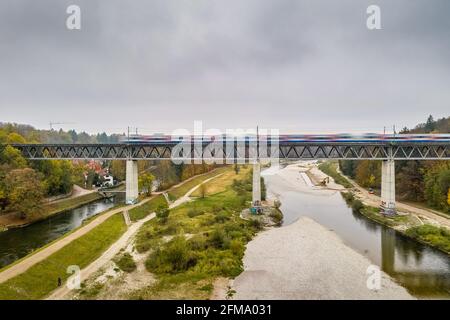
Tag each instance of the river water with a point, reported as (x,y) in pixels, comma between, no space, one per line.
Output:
(423,271)
(17,243)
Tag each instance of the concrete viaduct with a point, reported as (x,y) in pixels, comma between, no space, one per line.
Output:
(239,150)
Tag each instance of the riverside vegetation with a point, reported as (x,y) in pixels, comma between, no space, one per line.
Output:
(437,237)
(199,241)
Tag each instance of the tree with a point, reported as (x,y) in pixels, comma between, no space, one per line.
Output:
(146,183)
(203,190)
(24,191)
(15,138)
(236,169)
(162,213)
(118,170)
(430,124)
(12,158)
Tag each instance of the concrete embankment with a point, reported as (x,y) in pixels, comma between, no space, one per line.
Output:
(304,260)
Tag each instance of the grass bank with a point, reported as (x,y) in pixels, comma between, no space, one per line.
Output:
(140,212)
(200,241)
(330,168)
(41,279)
(71,203)
(434,236)
(181,190)
(11,220)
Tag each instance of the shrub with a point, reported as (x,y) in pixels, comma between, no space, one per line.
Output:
(175,256)
(162,213)
(257,224)
(357,205)
(194,212)
(222,217)
(236,247)
(126,262)
(277,216)
(219,239)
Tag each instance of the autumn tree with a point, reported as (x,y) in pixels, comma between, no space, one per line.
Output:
(146,183)
(25,192)
(117,169)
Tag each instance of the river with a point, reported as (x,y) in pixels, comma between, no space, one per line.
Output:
(17,243)
(423,271)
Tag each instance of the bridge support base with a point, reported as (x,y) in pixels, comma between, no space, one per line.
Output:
(388,187)
(132,191)
(256,194)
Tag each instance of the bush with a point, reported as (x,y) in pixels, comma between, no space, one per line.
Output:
(257,224)
(175,256)
(219,239)
(162,213)
(236,247)
(357,205)
(194,212)
(436,236)
(126,262)
(222,217)
(348,197)
(277,216)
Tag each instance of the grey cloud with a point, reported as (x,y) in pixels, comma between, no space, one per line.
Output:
(292,64)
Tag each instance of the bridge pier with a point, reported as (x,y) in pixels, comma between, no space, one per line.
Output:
(256,190)
(388,187)
(132,189)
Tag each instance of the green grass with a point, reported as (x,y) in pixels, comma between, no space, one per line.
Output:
(144,210)
(71,203)
(186,266)
(438,237)
(374,213)
(41,279)
(330,168)
(178,192)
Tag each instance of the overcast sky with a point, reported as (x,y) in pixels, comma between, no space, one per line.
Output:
(295,65)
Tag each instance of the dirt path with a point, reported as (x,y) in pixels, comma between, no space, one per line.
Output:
(27,262)
(420,213)
(122,243)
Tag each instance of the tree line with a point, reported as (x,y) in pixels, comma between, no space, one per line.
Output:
(25,184)
(417,181)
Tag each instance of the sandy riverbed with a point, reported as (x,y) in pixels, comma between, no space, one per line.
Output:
(305,260)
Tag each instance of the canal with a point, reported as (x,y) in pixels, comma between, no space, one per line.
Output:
(422,270)
(17,243)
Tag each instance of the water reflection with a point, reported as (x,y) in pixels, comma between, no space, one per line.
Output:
(424,271)
(17,243)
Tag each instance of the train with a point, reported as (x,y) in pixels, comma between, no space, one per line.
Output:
(291,138)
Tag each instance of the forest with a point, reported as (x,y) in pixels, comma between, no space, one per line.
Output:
(425,182)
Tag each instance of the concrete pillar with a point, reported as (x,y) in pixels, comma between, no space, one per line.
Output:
(388,187)
(256,195)
(388,250)
(132,191)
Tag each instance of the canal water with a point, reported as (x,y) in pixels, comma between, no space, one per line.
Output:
(17,243)
(423,271)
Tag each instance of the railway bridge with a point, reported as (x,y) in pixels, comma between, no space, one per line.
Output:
(254,150)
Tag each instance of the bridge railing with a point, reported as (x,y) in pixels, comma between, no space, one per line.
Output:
(235,152)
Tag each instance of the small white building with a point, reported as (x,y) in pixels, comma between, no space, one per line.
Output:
(108,180)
